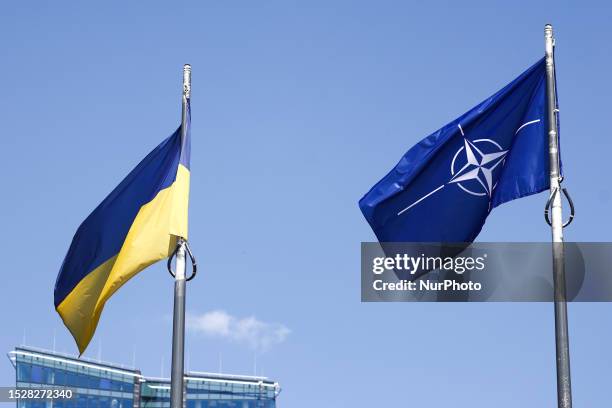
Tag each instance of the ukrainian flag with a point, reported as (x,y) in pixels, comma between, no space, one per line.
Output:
(134,227)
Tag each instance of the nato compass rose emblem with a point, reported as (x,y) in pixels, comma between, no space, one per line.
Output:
(481,157)
(479,166)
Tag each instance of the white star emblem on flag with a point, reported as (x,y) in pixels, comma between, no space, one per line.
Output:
(479,166)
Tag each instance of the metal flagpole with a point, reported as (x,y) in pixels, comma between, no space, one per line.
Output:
(178,327)
(564,389)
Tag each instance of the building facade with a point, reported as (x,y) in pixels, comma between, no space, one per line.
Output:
(100,385)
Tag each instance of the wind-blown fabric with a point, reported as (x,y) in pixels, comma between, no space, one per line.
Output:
(444,187)
(136,225)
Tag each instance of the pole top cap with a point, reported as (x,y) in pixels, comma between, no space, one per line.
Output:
(548,30)
(187,80)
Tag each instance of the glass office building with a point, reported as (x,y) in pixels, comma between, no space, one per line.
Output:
(101,385)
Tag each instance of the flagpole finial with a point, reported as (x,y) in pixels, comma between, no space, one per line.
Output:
(549,41)
(187,81)
(548,30)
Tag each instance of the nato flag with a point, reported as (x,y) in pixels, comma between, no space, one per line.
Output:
(445,186)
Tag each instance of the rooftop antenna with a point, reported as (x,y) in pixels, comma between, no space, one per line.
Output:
(255,363)
(134,356)
(220,362)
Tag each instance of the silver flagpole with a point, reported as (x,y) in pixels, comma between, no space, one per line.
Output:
(564,387)
(178,327)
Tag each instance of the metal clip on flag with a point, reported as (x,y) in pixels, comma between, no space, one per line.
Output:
(194,264)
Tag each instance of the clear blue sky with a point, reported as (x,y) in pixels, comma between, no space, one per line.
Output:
(298,108)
